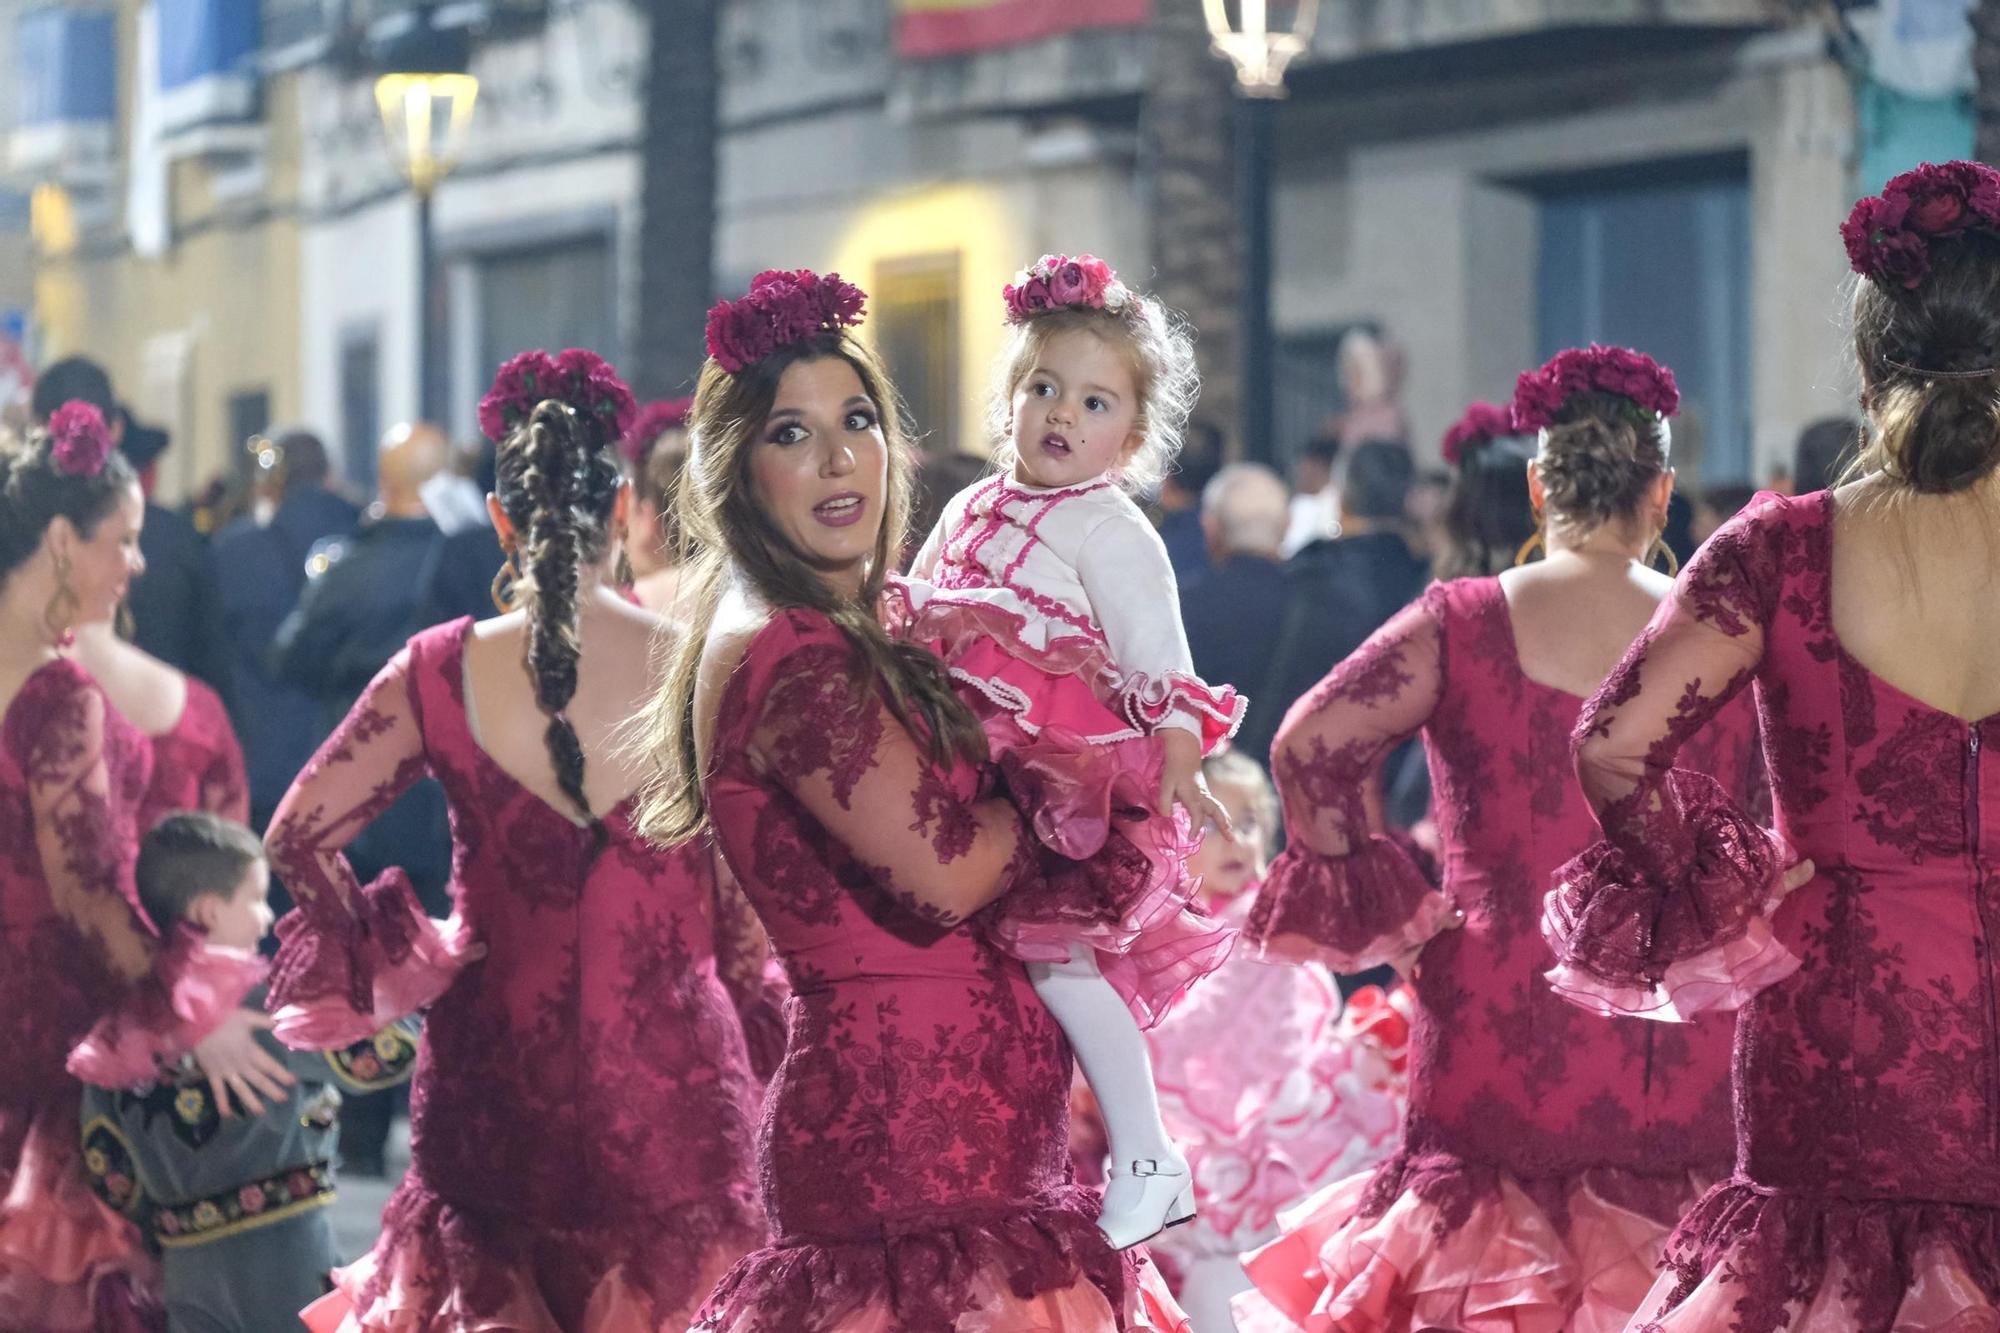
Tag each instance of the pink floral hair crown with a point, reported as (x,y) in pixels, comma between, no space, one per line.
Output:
(578,377)
(781,308)
(1482,424)
(1647,385)
(654,420)
(1058,282)
(79,441)
(1889,235)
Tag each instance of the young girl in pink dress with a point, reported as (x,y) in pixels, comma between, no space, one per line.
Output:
(1055,606)
(1866,1194)
(1544,1159)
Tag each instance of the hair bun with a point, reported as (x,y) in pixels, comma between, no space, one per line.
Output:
(1597,459)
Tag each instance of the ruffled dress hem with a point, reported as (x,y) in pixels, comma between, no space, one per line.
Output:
(1460,1248)
(436,1267)
(68,1263)
(1043,1269)
(1770,1261)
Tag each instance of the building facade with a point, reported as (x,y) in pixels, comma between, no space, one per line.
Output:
(162,168)
(1484,182)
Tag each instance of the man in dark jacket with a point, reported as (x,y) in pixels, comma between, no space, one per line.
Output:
(261,567)
(1232,612)
(175,605)
(1345,588)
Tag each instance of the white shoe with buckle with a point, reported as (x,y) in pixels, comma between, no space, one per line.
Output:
(1145,1198)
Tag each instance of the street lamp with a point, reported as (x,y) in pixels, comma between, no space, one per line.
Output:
(425,98)
(1260,49)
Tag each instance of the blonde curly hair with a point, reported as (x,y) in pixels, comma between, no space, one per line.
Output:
(1160,345)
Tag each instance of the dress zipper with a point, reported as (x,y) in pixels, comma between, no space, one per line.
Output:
(1975,842)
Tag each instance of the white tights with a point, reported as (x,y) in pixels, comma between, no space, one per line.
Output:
(1111,1050)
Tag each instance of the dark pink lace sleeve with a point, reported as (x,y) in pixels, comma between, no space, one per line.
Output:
(838,749)
(743,961)
(353,959)
(155,1003)
(85,834)
(1664,917)
(1343,891)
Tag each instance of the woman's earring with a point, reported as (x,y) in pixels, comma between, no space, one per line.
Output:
(1660,548)
(503,585)
(59,615)
(1528,549)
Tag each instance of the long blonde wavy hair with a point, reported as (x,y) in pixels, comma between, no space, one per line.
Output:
(725,533)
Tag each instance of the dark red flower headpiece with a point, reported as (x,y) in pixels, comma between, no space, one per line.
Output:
(1482,424)
(579,377)
(655,419)
(79,441)
(1889,235)
(780,308)
(1539,395)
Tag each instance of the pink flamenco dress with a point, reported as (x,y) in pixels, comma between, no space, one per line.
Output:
(1545,1155)
(198,763)
(87,991)
(1055,612)
(581,1113)
(1866,1194)
(913,1150)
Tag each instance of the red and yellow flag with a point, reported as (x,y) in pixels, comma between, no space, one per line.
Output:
(954,27)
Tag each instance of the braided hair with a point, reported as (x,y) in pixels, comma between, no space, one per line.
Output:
(557,479)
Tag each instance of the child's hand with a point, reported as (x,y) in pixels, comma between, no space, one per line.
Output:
(1182,784)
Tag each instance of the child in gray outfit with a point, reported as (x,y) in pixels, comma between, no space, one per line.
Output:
(237,1204)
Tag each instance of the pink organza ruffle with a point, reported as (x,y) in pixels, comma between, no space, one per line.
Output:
(1350,912)
(1022,1270)
(1008,656)
(1501,1264)
(68,1263)
(1628,943)
(1723,978)
(202,985)
(387,961)
(1124,888)
(1765,1262)
(437,1267)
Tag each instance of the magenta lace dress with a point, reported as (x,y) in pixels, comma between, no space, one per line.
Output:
(199,764)
(83,984)
(1547,1153)
(581,1112)
(913,1148)
(1867,1185)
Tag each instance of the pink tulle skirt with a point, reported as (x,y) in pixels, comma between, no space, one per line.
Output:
(1499,1262)
(68,1263)
(1089,784)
